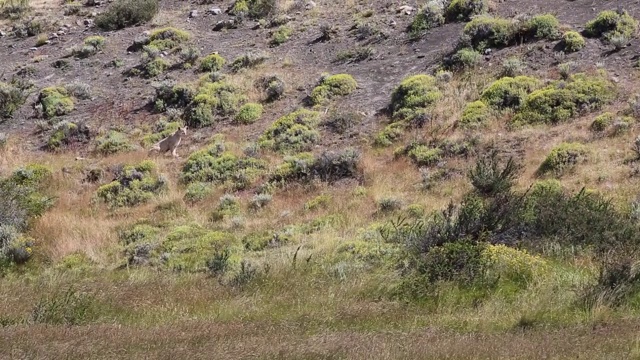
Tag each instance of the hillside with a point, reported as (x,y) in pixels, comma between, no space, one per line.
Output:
(357,179)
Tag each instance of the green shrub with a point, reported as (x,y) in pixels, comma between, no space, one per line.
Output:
(197,191)
(332,86)
(602,122)
(563,157)
(248,61)
(167,38)
(281,35)
(390,134)
(249,113)
(188,248)
(214,165)
(562,101)
(542,27)
(155,67)
(488,32)
(415,95)
(293,132)
(55,101)
(134,185)
(67,133)
(572,41)
(11,99)
(464,10)
(211,63)
(113,142)
(465,58)
(462,262)
(124,13)
(423,155)
(512,66)
(328,166)
(23,196)
(609,24)
(429,17)
(213,99)
(474,114)
(178,96)
(255,9)
(77,261)
(509,92)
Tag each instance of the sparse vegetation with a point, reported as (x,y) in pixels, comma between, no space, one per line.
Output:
(133,185)
(332,86)
(125,13)
(113,142)
(563,157)
(11,99)
(429,16)
(610,24)
(464,10)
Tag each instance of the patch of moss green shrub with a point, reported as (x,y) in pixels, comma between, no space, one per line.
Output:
(255,9)
(428,17)
(390,134)
(474,114)
(423,155)
(113,142)
(249,113)
(211,63)
(564,100)
(213,99)
(563,158)
(572,41)
(281,35)
(464,10)
(415,95)
(509,92)
(155,67)
(610,24)
(198,191)
(66,133)
(332,86)
(124,13)
(11,99)
(248,61)
(292,133)
(215,165)
(167,38)
(542,27)
(602,122)
(134,185)
(464,59)
(55,101)
(488,32)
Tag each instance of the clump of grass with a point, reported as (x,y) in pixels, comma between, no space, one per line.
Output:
(610,24)
(572,41)
(212,63)
(55,101)
(429,17)
(542,27)
(562,101)
(273,86)
(563,158)
(167,38)
(12,97)
(602,122)
(281,35)
(255,9)
(475,114)
(67,133)
(125,13)
(332,86)
(113,142)
(356,55)
(415,95)
(291,133)
(464,59)
(509,92)
(248,61)
(488,32)
(464,10)
(512,66)
(213,99)
(133,185)
(249,113)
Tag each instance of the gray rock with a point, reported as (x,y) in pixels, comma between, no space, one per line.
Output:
(310,5)
(3,34)
(193,13)
(88,22)
(215,11)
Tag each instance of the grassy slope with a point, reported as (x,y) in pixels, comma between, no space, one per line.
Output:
(324,308)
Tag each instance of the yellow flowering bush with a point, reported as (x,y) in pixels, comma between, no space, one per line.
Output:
(515,265)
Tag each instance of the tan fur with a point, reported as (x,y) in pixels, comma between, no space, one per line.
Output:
(171,142)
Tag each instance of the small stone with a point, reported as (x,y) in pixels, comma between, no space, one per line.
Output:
(615,79)
(33,49)
(3,34)
(406,9)
(79,22)
(215,11)
(487,51)
(193,13)
(61,32)
(310,5)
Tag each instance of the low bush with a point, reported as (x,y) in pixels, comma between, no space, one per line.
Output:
(415,95)
(572,41)
(328,166)
(213,99)
(564,157)
(212,63)
(214,165)
(124,13)
(167,38)
(509,92)
(113,142)
(390,134)
(332,86)
(562,101)
(133,185)
(291,133)
(542,27)
(429,17)
(11,99)
(248,61)
(255,9)
(249,113)
(23,196)
(68,133)
(190,248)
(602,122)
(463,59)
(55,101)
(92,45)
(488,32)
(281,35)
(341,123)
(273,86)
(474,114)
(465,10)
(610,24)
